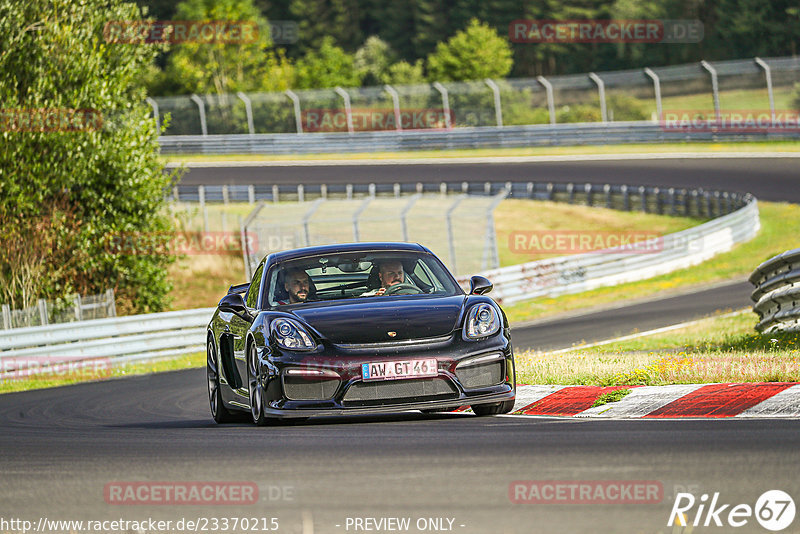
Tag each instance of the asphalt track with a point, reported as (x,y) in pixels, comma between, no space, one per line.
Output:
(61,447)
(774,179)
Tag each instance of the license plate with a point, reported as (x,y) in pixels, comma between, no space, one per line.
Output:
(401,369)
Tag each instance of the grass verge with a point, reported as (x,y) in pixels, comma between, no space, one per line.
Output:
(45,380)
(645,148)
(715,349)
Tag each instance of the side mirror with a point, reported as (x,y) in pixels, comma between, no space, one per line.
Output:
(478,285)
(233,302)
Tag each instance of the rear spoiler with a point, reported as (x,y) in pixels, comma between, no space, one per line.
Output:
(238,288)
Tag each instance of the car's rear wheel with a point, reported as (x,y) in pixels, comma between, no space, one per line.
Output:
(256,389)
(496,408)
(218,411)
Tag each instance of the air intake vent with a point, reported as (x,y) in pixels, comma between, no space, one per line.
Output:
(481,375)
(309,388)
(396,391)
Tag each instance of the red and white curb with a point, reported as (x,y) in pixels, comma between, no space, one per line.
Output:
(772,399)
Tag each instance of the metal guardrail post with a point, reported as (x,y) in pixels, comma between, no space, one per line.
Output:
(589,194)
(396,105)
(225,194)
(551,105)
(445,103)
(396,190)
(6,317)
(626,198)
(601,89)
(404,214)
(298,118)
(348,111)
(643,198)
(657,196)
(570,193)
(307,217)
(248,109)
(498,108)
(768,74)
(323,191)
(276,193)
(349,191)
(156,116)
(301,193)
(451,241)
(356,215)
(201,195)
(607,191)
(201,107)
(111,310)
(657,89)
(714,88)
(251,194)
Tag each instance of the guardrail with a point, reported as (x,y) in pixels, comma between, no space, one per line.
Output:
(583,272)
(119,340)
(777,293)
(455,138)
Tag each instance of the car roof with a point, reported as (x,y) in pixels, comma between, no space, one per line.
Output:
(346,247)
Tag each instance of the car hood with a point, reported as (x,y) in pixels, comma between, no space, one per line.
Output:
(370,319)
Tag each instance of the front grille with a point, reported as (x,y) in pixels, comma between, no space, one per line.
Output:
(481,375)
(305,388)
(394,391)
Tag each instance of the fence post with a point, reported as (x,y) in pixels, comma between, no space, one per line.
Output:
(6,317)
(154,105)
(671,197)
(251,194)
(301,193)
(275,193)
(491,239)
(443,189)
(201,107)
(76,300)
(659,207)
(589,196)
(396,104)
(450,237)
(445,103)
(551,105)
(657,89)
(347,109)
(714,88)
(356,215)
(404,213)
(601,89)
(570,193)
(349,191)
(498,108)
(248,109)
(371,190)
(298,119)
(307,217)
(396,190)
(607,191)
(643,198)
(768,73)
(43,311)
(323,191)
(111,305)
(550,188)
(225,194)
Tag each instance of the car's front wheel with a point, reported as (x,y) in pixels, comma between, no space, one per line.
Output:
(496,408)
(218,411)
(256,389)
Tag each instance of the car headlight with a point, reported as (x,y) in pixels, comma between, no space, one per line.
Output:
(482,321)
(291,335)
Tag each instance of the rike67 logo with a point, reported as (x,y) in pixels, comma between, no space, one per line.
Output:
(774,510)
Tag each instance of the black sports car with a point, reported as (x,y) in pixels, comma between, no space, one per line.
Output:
(357,328)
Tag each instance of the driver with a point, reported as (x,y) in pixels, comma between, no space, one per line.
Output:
(390,273)
(297,284)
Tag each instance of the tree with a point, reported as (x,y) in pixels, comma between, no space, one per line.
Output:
(330,66)
(372,61)
(66,189)
(248,65)
(404,73)
(476,53)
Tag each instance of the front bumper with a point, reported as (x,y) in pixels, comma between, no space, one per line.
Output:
(352,395)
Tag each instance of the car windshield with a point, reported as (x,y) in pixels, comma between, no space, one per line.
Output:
(357,275)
